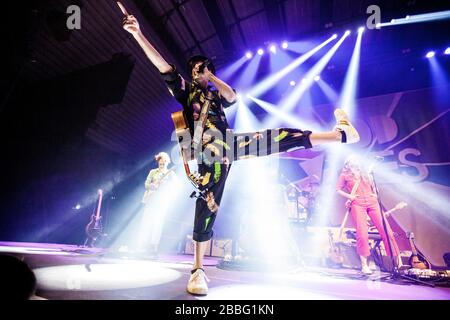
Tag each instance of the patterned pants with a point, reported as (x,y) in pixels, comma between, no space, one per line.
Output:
(242,146)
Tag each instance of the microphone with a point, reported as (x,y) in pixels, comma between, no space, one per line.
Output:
(202,67)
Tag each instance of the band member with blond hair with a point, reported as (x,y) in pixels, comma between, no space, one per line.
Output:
(355,184)
(156,205)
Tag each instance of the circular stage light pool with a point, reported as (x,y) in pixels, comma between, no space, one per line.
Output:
(93,277)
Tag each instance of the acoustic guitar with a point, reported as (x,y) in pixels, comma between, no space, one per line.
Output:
(417,259)
(335,257)
(189,145)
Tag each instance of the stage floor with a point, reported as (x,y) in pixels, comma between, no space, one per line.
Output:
(66,272)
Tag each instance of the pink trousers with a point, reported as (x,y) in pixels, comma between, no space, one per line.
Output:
(360,210)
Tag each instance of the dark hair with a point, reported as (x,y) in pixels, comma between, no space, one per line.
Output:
(199,58)
(18,281)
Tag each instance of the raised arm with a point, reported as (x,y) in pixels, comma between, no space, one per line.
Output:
(224,89)
(131,25)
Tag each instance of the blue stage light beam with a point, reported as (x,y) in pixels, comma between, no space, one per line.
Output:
(273,79)
(418,18)
(279,61)
(245,119)
(347,100)
(329,92)
(301,47)
(284,117)
(290,102)
(248,74)
(227,72)
(440,81)
(438,74)
(334,156)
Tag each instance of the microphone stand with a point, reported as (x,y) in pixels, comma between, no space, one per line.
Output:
(394,272)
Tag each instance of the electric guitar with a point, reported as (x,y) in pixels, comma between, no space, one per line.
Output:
(387,214)
(149,192)
(398,206)
(94,228)
(417,259)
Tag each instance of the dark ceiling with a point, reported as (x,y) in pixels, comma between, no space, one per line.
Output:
(222,29)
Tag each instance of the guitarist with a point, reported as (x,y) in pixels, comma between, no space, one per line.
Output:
(156,176)
(362,201)
(217,149)
(155,206)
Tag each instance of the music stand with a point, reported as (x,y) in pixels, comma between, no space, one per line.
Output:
(395,275)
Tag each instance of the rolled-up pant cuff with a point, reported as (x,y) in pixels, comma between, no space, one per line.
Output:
(202,237)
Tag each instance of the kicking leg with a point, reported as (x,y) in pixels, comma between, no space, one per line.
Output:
(257,144)
(325,137)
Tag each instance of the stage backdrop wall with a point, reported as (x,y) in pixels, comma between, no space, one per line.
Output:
(411,131)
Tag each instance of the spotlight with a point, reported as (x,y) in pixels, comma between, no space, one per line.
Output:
(316,78)
(361,29)
(378,26)
(284,45)
(292,83)
(407,17)
(447,51)
(334,36)
(260,51)
(273,49)
(304,80)
(393,20)
(430,54)
(238,96)
(249,54)
(77,207)
(347,32)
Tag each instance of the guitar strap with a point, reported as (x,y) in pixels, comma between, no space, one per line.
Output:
(200,126)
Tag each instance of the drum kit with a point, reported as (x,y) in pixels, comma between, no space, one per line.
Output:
(302,200)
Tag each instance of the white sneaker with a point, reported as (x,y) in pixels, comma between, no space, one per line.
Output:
(343,124)
(366,270)
(197,283)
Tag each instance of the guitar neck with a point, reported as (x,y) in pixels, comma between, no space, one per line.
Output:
(99,206)
(413,246)
(198,130)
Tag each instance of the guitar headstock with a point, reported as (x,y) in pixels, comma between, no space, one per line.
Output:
(401,205)
(100,192)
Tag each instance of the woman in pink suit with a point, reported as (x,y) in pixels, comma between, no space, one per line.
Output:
(356,185)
